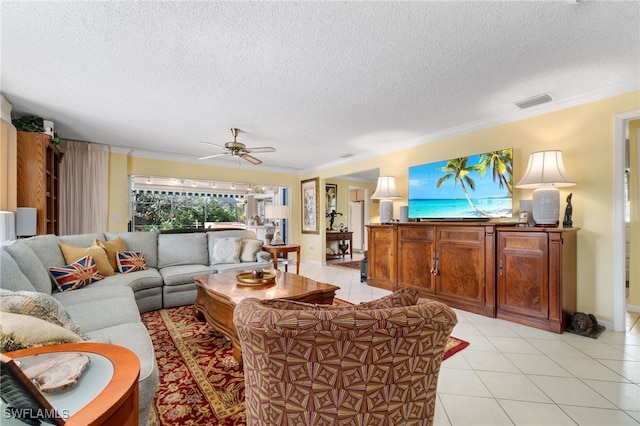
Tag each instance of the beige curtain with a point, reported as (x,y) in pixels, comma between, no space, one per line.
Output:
(84,183)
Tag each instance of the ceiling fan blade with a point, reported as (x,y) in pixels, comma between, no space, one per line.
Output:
(213,144)
(251,159)
(213,156)
(262,149)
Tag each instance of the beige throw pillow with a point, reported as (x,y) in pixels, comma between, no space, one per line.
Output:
(250,249)
(39,305)
(19,331)
(99,255)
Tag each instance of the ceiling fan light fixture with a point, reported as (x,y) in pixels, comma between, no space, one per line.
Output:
(238,149)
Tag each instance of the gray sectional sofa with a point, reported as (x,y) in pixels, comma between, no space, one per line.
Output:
(109,309)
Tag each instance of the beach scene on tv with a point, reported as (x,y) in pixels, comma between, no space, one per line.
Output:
(478,186)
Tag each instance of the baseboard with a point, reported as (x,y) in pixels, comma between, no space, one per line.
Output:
(635,309)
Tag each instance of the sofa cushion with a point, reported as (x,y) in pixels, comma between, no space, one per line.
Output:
(31,266)
(39,305)
(112,247)
(225,250)
(72,253)
(11,277)
(250,249)
(47,249)
(183,274)
(146,242)
(76,275)
(98,291)
(138,280)
(23,331)
(130,261)
(134,336)
(102,313)
(182,249)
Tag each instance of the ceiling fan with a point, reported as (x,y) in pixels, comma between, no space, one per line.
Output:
(237,149)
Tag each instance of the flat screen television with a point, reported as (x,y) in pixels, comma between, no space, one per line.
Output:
(478,187)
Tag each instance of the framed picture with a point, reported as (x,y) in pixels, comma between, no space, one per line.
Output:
(331,191)
(310,206)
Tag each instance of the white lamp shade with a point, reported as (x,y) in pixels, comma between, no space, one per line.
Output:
(7,226)
(277,212)
(386,189)
(546,173)
(545,168)
(26,221)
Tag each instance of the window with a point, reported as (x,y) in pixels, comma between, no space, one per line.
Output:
(160,203)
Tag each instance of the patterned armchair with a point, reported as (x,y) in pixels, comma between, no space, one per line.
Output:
(370,364)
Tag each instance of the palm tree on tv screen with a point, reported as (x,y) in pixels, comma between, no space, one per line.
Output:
(500,163)
(458,170)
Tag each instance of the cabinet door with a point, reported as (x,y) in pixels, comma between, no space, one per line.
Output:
(461,264)
(380,259)
(523,274)
(416,258)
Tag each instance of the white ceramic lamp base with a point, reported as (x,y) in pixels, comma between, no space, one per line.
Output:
(546,206)
(386,211)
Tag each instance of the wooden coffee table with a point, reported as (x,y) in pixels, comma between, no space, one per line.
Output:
(218,295)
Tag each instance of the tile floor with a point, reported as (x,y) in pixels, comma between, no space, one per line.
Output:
(516,375)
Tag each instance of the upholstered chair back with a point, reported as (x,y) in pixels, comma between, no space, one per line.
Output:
(370,364)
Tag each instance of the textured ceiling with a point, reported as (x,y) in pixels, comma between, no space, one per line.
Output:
(317,80)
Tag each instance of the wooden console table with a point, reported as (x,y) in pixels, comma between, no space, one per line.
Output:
(340,237)
(117,403)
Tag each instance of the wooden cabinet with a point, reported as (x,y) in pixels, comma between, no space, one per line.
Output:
(381,265)
(525,275)
(38,184)
(536,276)
(449,263)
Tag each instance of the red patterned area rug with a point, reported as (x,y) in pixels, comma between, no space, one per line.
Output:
(200,381)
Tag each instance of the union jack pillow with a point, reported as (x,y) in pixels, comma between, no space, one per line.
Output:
(80,273)
(130,261)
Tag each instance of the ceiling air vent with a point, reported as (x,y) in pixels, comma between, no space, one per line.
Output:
(536,100)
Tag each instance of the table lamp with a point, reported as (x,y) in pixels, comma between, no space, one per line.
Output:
(26,221)
(277,213)
(7,226)
(546,173)
(385,192)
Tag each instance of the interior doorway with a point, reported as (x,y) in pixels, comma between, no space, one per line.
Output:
(358,217)
(619,253)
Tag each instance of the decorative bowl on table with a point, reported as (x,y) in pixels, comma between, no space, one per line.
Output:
(251,278)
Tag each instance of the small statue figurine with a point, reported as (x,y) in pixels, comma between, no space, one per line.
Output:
(332,215)
(585,325)
(568,211)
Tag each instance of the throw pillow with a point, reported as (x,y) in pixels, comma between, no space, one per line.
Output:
(39,305)
(226,250)
(112,247)
(250,249)
(131,261)
(80,273)
(72,254)
(23,331)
